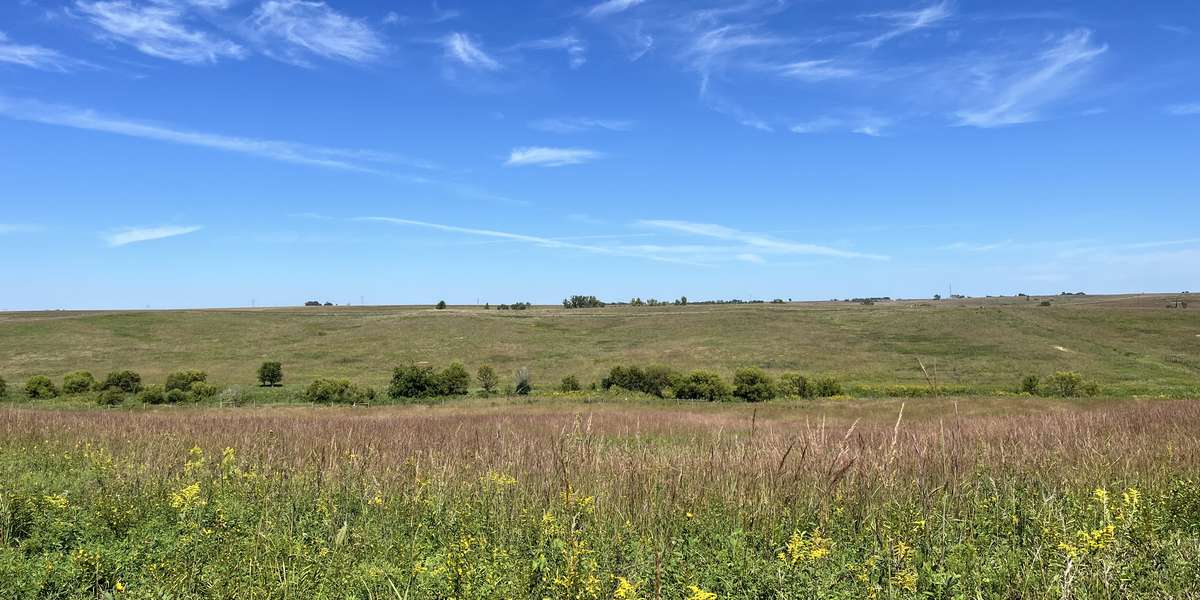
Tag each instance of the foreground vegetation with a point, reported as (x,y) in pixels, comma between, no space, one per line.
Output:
(553,500)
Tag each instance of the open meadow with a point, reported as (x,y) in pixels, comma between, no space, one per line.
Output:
(969,489)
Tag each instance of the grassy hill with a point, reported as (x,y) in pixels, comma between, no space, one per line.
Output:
(1129,344)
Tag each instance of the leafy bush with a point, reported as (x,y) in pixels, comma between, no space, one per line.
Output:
(487,378)
(655,380)
(337,391)
(578,301)
(203,390)
(3,387)
(153,394)
(524,383)
(702,385)
(1066,384)
(441,305)
(824,387)
(126,381)
(183,380)
(1030,384)
(40,387)
(454,380)
(753,385)
(270,374)
(175,396)
(794,384)
(414,381)
(78,382)
(569,384)
(110,396)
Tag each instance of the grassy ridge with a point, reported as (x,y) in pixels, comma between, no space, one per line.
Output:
(604,501)
(1128,344)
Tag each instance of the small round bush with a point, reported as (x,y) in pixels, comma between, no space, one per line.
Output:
(702,385)
(569,384)
(183,380)
(454,380)
(78,382)
(1067,384)
(414,381)
(794,384)
(270,374)
(126,381)
(3,387)
(1030,383)
(152,395)
(40,387)
(825,387)
(110,397)
(441,305)
(487,378)
(753,385)
(336,391)
(175,396)
(203,390)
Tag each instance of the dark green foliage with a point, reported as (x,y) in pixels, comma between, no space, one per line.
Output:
(441,305)
(3,387)
(78,382)
(270,373)
(40,387)
(794,384)
(753,385)
(702,385)
(110,396)
(569,384)
(202,390)
(183,380)
(1030,383)
(582,302)
(126,381)
(152,394)
(654,380)
(824,387)
(487,378)
(337,391)
(414,381)
(524,383)
(454,380)
(175,396)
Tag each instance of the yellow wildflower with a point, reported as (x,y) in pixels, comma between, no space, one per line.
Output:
(625,590)
(58,501)
(700,594)
(805,547)
(120,587)
(187,497)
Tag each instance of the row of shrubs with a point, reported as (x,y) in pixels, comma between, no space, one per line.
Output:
(415,381)
(1064,384)
(180,386)
(749,384)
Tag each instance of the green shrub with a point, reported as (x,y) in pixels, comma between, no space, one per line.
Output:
(753,385)
(3,387)
(337,391)
(78,382)
(270,374)
(825,387)
(441,305)
(794,384)
(126,381)
(110,396)
(655,380)
(454,380)
(524,383)
(1091,388)
(569,384)
(203,390)
(487,378)
(702,385)
(152,394)
(183,380)
(175,396)
(414,381)
(40,387)
(1067,384)
(1030,384)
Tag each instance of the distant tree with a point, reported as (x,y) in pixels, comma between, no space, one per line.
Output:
(701,385)
(328,304)
(441,305)
(487,378)
(152,394)
(454,380)
(569,384)
(937,296)
(183,380)
(753,385)
(1067,384)
(78,382)
(524,383)
(126,381)
(413,381)
(175,396)
(578,301)
(202,390)
(337,391)
(313,303)
(40,387)
(270,374)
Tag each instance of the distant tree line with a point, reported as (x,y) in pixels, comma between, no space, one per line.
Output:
(317,303)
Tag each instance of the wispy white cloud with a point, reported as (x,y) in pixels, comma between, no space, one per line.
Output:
(34,57)
(612,7)
(864,124)
(1183,110)
(462,49)
(907,21)
(977,247)
(545,242)
(158,29)
(569,42)
(580,124)
(294,30)
(130,235)
(815,70)
(1016,97)
(11,228)
(542,156)
(758,242)
(291,152)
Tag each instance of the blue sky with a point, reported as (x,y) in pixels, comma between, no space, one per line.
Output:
(179,153)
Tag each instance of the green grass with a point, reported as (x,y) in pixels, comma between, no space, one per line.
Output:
(1128,344)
